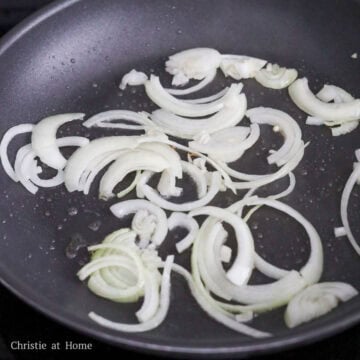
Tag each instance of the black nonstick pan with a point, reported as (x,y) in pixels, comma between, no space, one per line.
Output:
(71,56)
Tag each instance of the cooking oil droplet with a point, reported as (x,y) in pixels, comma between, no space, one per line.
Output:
(73,61)
(47,213)
(72,211)
(95,225)
(179,32)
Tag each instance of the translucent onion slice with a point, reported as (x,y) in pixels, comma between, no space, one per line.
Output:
(276,77)
(255,181)
(83,159)
(104,119)
(178,219)
(166,101)
(312,270)
(126,163)
(334,93)
(229,144)
(355,175)
(241,67)
(231,114)
(194,63)
(241,269)
(133,78)
(43,139)
(210,306)
(317,300)
(303,97)
(288,127)
(207,80)
(209,268)
(158,317)
(8,136)
(155,198)
(125,208)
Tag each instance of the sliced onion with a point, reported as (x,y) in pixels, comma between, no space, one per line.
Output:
(231,114)
(8,136)
(208,99)
(316,301)
(125,208)
(84,158)
(207,80)
(155,198)
(163,99)
(312,270)
(43,139)
(344,206)
(241,67)
(158,317)
(334,93)
(288,127)
(228,144)
(303,97)
(104,119)
(241,270)
(178,219)
(194,63)
(210,306)
(133,78)
(276,77)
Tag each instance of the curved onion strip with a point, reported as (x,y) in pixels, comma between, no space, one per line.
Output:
(43,139)
(151,301)
(276,77)
(194,63)
(240,66)
(241,269)
(126,163)
(163,99)
(82,159)
(334,93)
(344,128)
(207,80)
(8,136)
(261,297)
(178,219)
(288,127)
(207,99)
(312,270)
(227,180)
(344,206)
(231,114)
(303,97)
(124,208)
(229,144)
(210,306)
(317,300)
(133,78)
(155,198)
(104,119)
(255,181)
(158,317)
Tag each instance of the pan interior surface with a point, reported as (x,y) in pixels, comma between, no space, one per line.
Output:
(71,57)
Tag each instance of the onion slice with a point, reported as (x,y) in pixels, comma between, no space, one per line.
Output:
(8,136)
(276,77)
(303,97)
(317,300)
(43,139)
(125,208)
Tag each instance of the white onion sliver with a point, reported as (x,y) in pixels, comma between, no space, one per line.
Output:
(124,208)
(178,219)
(8,136)
(133,78)
(43,139)
(317,300)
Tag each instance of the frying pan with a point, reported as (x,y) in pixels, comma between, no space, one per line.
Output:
(70,57)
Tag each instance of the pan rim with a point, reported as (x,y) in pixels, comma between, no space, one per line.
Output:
(265,346)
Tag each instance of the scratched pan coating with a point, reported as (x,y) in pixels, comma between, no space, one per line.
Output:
(70,58)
